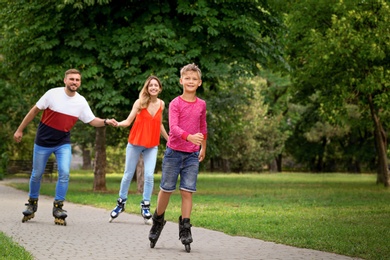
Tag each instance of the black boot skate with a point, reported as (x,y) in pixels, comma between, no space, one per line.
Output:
(145,212)
(120,207)
(155,231)
(58,213)
(185,235)
(32,207)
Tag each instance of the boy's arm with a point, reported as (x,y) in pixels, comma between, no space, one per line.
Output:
(202,152)
(173,119)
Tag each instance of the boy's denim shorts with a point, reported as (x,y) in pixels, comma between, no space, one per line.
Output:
(177,163)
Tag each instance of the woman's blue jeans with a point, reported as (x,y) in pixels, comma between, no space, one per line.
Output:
(63,154)
(133,153)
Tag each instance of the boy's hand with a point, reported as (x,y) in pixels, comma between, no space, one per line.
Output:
(196,138)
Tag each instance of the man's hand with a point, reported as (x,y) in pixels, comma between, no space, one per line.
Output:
(18,136)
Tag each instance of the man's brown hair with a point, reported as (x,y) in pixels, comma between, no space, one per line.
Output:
(72,71)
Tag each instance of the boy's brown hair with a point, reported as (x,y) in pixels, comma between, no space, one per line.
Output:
(191,67)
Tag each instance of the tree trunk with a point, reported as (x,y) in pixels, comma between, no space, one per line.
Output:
(140,174)
(99,181)
(381,145)
(278,160)
(272,166)
(86,157)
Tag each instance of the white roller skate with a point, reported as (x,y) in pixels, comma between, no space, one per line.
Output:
(120,207)
(145,212)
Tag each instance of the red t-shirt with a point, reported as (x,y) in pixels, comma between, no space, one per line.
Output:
(146,129)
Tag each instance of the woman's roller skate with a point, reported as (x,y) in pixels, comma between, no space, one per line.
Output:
(185,235)
(32,207)
(58,213)
(145,212)
(157,227)
(120,207)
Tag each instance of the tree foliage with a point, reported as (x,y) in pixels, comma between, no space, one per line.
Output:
(117,44)
(339,53)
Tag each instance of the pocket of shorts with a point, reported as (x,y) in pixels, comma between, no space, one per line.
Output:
(168,152)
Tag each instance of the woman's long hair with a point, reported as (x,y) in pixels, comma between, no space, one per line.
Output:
(144,96)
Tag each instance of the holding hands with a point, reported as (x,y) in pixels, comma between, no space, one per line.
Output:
(111,122)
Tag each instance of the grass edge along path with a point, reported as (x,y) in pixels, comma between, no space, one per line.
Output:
(10,250)
(345,214)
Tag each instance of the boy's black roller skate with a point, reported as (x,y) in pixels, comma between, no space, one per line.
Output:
(185,235)
(58,213)
(157,227)
(145,212)
(32,207)
(120,207)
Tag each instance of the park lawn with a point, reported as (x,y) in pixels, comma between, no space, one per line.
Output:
(10,250)
(346,214)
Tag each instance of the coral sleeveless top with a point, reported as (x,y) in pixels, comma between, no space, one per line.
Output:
(146,129)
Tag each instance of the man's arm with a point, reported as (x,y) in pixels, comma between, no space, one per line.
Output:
(98,122)
(27,119)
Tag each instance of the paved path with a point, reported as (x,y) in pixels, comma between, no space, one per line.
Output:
(89,235)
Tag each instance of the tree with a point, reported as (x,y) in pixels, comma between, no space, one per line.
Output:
(339,52)
(117,44)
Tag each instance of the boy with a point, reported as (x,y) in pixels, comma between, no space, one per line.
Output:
(186,147)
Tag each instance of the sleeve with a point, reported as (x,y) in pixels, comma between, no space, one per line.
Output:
(203,121)
(174,113)
(43,102)
(86,114)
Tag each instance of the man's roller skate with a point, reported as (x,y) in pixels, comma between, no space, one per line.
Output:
(58,213)
(120,207)
(145,212)
(32,207)
(157,227)
(185,235)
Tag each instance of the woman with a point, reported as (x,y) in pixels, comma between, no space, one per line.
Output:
(144,138)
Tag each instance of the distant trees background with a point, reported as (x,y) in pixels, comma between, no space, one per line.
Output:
(289,85)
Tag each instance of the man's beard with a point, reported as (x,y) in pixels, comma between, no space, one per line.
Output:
(70,89)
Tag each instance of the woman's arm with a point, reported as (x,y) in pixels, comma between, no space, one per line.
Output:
(133,113)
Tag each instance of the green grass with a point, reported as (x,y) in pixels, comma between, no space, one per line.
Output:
(9,250)
(342,213)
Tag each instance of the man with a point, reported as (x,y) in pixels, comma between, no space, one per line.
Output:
(62,107)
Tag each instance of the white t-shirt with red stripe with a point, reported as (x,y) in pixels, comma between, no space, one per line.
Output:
(60,114)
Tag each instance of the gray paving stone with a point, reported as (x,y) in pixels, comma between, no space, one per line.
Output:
(89,235)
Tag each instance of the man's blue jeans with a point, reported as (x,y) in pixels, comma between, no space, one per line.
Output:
(63,154)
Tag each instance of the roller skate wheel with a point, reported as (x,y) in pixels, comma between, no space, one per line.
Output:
(188,248)
(28,217)
(152,244)
(148,221)
(111,219)
(60,222)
